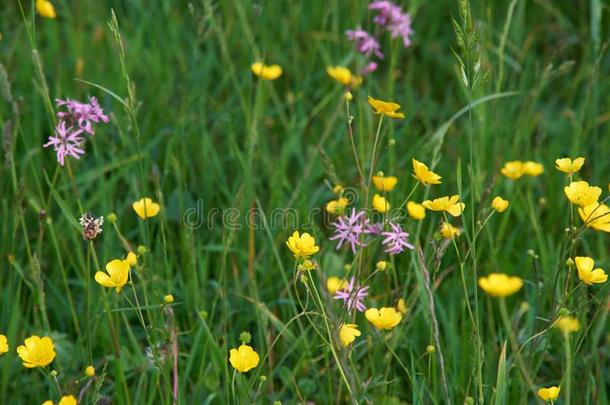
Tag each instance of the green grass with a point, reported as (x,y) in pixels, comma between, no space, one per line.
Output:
(196,131)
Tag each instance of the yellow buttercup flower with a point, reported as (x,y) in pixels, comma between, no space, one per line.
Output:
(581,193)
(386,108)
(90,371)
(416,211)
(168,299)
(3,345)
(384,318)
(337,206)
(344,76)
(423,174)
(348,333)
(568,324)
(596,216)
(243,358)
(383,183)
(449,231)
(448,204)
(500,284)
(401,306)
(380,204)
(265,72)
(568,165)
(65,400)
(586,274)
(513,169)
(45,9)
(549,394)
(37,351)
(381,265)
(334,284)
(117,275)
(340,73)
(302,246)
(533,169)
(499,204)
(146,208)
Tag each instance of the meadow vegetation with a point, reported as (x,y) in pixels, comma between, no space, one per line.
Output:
(321,201)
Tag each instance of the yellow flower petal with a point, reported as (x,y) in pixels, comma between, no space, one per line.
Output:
(146,208)
(386,108)
(45,9)
(423,174)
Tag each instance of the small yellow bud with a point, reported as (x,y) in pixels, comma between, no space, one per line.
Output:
(90,371)
(392,142)
(430,349)
(168,299)
(54,373)
(348,96)
(111,218)
(570,262)
(337,189)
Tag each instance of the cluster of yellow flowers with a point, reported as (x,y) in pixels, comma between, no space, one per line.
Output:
(580,193)
(385,318)
(516,169)
(39,351)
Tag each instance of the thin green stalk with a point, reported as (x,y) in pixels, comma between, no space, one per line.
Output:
(515,346)
(329,332)
(567,385)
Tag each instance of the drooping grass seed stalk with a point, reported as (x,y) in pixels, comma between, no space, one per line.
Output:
(435,328)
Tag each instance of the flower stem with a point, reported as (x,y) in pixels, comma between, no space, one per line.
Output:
(568,372)
(330,337)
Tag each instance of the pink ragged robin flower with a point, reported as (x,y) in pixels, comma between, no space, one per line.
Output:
(353,296)
(66,142)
